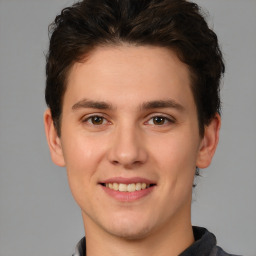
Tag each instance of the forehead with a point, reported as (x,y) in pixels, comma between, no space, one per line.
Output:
(129,74)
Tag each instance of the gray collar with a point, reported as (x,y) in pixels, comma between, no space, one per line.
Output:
(205,245)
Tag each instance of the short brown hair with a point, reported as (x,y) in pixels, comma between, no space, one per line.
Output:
(174,24)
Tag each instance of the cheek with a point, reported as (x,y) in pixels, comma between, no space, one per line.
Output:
(81,150)
(82,156)
(176,157)
(79,154)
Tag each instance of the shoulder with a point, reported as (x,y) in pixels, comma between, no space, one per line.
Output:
(217,251)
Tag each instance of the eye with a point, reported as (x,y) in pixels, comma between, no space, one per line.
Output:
(95,120)
(160,120)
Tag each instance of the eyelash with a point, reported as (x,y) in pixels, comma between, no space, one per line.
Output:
(167,120)
(90,120)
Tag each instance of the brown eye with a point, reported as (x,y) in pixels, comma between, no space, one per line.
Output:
(159,120)
(97,120)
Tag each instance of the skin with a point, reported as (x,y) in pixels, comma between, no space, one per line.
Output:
(128,140)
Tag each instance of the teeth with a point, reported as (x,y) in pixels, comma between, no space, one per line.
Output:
(122,187)
(115,186)
(127,187)
(131,187)
(138,186)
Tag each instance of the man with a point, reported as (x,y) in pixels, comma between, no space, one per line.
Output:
(133,95)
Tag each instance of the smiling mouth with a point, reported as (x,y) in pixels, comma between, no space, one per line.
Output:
(127,187)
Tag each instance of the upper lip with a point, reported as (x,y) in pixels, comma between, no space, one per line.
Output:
(128,180)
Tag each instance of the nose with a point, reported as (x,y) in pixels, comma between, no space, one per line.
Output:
(127,147)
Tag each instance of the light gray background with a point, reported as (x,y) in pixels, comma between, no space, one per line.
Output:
(38,215)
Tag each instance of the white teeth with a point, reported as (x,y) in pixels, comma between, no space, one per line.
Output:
(131,187)
(138,186)
(115,186)
(143,185)
(127,187)
(122,187)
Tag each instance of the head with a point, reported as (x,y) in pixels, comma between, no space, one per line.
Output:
(173,24)
(133,95)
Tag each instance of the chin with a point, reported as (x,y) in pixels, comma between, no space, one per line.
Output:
(130,234)
(130,229)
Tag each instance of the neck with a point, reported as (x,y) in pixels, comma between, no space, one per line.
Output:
(169,240)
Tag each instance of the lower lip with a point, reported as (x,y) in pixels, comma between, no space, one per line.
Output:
(128,196)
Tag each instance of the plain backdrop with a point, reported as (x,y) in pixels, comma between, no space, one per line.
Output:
(37,213)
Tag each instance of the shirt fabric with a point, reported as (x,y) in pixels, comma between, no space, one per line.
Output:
(204,245)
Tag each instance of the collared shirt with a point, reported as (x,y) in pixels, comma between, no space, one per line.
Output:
(204,245)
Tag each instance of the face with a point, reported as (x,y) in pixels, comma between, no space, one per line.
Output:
(130,140)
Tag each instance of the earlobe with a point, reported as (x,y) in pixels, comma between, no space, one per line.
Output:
(53,140)
(209,142)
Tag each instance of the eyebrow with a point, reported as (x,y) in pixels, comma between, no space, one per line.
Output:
(162,104)
(156,104)
(85,103)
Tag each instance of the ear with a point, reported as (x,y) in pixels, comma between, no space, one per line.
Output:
(53,139)
(209,142)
